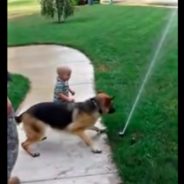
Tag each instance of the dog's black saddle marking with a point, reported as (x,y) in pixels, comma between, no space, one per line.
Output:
(57,115)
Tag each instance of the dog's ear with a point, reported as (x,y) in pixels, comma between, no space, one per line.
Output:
(112,97)
(99,91)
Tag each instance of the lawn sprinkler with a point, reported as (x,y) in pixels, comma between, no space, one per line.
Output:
(148,73)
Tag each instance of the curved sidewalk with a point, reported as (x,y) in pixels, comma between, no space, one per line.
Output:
(64,159)
(149,3)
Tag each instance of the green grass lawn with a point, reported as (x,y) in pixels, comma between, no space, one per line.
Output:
(120,41)
(17,89)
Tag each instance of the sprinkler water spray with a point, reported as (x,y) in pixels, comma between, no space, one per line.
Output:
(157,51)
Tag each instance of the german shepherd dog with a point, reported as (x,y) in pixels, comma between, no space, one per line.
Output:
(71,117)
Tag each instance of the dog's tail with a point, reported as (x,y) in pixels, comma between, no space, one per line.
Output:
(18,119)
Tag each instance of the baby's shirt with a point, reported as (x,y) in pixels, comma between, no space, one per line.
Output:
(60,87)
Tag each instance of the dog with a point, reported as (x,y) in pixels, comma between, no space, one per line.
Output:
(73,117)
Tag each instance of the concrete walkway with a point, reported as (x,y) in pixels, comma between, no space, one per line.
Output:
(151,3)
(64,159)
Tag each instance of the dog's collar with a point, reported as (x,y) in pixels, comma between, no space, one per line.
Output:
(95,103)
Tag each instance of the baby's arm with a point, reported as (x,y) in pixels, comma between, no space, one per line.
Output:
(71,91)
(65,98)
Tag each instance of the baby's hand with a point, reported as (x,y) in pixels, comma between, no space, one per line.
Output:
(71,99)
(72,92)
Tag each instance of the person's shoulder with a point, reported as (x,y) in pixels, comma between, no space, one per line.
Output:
(59,85)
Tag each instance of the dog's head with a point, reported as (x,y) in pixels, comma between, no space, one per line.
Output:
(105,102)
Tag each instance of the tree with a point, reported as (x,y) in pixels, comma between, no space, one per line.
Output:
(60,8)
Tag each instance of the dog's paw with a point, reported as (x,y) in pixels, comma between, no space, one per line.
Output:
(35,155)
(96,150)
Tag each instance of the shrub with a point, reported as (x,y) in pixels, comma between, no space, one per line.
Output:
(60,8)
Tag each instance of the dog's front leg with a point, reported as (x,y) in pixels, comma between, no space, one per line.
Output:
(88,141)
